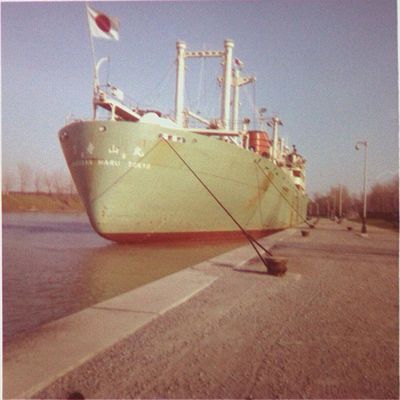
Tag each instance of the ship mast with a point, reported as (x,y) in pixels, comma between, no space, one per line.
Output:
(180,82)
(237,82)
(274,122)
(227,83)
(181,56)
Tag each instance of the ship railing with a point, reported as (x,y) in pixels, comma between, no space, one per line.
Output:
(112,99)
(70,118)
(116,94)
(121,107)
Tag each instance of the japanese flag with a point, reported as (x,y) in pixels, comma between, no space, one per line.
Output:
(102,26)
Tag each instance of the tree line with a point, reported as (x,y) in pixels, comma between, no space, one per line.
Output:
(26,179)
(382,201)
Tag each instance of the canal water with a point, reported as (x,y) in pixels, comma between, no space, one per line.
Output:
(55,265)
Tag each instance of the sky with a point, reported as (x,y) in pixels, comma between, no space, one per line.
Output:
(328,68)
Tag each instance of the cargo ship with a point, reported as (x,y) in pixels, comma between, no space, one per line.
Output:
(137,171)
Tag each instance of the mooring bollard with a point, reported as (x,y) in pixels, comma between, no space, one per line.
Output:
(305,233)
(276,265)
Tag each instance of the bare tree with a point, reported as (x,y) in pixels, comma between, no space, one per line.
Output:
(383,200)
(71,186)
(48,181)
(57,181)
(25,176)
(329,204)
(8,180)
(37,181)
(60,181)
(384,197)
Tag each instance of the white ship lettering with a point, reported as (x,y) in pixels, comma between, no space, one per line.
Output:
(109,163)
(90,148)
(82,163)
(138,165)
(138,152)
(113,150)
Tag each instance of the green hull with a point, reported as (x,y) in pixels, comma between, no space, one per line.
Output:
(135,188)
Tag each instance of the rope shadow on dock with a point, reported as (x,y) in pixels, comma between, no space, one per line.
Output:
(234,267)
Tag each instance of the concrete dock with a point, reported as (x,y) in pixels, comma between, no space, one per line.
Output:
(329,328)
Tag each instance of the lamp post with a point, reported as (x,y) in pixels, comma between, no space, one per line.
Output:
(364,217)
(334,207)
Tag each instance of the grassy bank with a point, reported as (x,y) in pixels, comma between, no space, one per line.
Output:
(41,202)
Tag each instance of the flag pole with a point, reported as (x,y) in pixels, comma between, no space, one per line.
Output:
(95,77)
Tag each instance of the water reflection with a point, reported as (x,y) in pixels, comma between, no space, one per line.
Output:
(55,265)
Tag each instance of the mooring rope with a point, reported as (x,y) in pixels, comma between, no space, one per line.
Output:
(250,238)
(273,184)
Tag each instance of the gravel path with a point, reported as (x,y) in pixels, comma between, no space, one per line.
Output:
(327,329)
